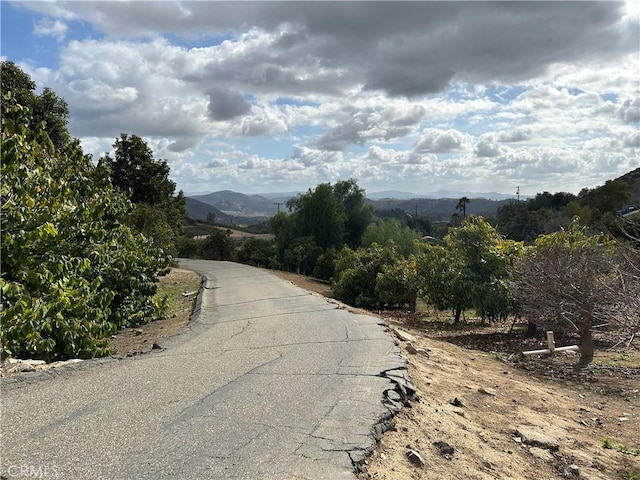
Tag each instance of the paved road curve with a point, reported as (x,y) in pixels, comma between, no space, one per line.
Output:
(269,382)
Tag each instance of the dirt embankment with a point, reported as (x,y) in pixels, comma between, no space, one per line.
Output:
(504,423)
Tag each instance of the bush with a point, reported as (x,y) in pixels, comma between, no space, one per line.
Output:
(357,273)
(72,273)
(217,246)
(258,252)
(187,247)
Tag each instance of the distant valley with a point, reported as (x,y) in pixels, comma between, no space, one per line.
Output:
(237,209)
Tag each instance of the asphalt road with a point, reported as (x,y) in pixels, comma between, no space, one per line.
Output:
(268,382)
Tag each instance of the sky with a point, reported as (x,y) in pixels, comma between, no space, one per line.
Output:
(262,97)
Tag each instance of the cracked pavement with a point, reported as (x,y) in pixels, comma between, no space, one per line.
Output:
(267,382)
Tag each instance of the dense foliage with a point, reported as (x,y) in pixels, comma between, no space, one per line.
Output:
(325,218)
(470,269)
(389,229)
(158,212)
(46,109)
(357,271)
(72,273)
(546,213)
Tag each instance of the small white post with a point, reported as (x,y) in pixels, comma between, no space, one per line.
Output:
(551,342)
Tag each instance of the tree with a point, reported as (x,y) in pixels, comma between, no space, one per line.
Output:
(469,270)
(574,282)
(258,252)
(217,246)
(516,221)
(399,283)
(357,213)
(610,197)
(301,255)
(72,272)
(329,215)
(46,107)
(159,213)
(462,206)
(356,274)
(389,229)
(320,215)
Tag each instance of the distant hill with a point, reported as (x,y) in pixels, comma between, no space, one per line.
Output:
(441,208)
(440,194)
(241,217)
(198,210)
(239,204)
(632,179)
(233,208)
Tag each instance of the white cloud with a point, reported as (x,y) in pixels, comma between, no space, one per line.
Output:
(411,93)
(49,27)
(440,141)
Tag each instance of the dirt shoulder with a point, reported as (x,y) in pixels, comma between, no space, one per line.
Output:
(181,287)
(501,410)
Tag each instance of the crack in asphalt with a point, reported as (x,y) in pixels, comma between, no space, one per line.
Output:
(280,314)
(265,347)
(260,300)
(188,412)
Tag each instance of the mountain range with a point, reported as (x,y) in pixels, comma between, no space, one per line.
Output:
(233,208)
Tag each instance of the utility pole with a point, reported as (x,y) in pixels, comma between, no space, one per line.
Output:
(278,204)
(518,192)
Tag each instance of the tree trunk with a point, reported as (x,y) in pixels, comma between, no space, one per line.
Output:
(457,317)
(586,344)
(532,329)
(412,303)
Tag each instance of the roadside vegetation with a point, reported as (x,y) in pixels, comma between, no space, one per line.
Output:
(558,262)
(81,250)
(84,243)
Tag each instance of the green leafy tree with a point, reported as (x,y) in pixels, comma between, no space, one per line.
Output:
(72,273)
(217,246)
(258,252)
(399,283)
(320,215)
(331,215)
(608,198)
(159,213)
(517,222)
(389,229)
(302,254)
(356,273)
(469,270)
(46,107)
(358,214)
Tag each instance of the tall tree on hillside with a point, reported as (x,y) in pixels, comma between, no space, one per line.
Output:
(462,206)
(318,214)
(357,213)
(159,213)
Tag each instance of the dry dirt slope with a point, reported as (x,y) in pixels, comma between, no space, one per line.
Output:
(494,402)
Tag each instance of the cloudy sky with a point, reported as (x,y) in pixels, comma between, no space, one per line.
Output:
(280,96)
